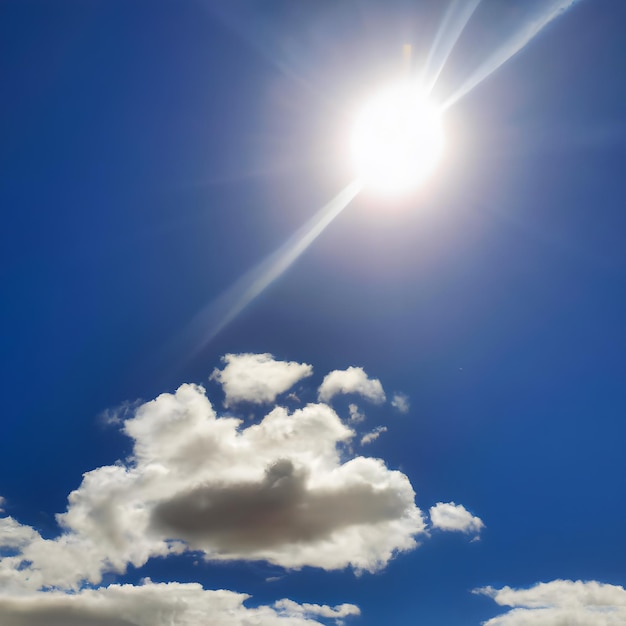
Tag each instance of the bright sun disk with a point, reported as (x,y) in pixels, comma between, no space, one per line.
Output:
(397,140)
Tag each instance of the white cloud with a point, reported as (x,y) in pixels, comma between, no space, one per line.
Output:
(351,380)
(560,603)
(400,402)
(278,490)
(356,416)
(2,503)
(373,435)
(454,517)
(13,534)
(293,609)
(153,604)
(257,378)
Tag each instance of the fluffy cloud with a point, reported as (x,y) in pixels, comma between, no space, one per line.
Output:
(373,435)
(287,490)
(279,490)
(351,380)
(560,603)
(157,605)
(257,378)
(400,402)
(13,534)
(454,517)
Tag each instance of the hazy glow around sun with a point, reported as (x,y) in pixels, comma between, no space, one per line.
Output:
(397,140)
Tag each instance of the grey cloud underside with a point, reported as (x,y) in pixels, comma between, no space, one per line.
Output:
(57,616)
(158,604)
(282,509)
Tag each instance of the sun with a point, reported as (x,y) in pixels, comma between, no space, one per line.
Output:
(397,140)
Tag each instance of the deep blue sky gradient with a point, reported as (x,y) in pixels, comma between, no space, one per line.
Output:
(154,151)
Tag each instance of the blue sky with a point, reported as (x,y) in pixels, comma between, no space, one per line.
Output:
(156,154)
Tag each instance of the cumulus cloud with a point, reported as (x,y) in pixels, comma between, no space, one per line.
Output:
(560,603)
(351,380)
(286,489)
(279,490)
(400,402)
(15,535)
(454,517)
(373,435)
(153,604)
(257,378)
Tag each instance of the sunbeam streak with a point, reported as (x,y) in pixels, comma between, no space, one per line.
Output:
(454,22)
(219,313)
(509,49)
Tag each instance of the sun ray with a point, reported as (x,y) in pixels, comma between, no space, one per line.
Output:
(219,313)
(509,49)
(452,26)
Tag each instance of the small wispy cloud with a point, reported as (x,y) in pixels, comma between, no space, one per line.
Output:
(400,402)
(373,435)
(356,416)
(293,609)
(115,416)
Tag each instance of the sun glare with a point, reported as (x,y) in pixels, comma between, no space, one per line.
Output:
(397,140)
